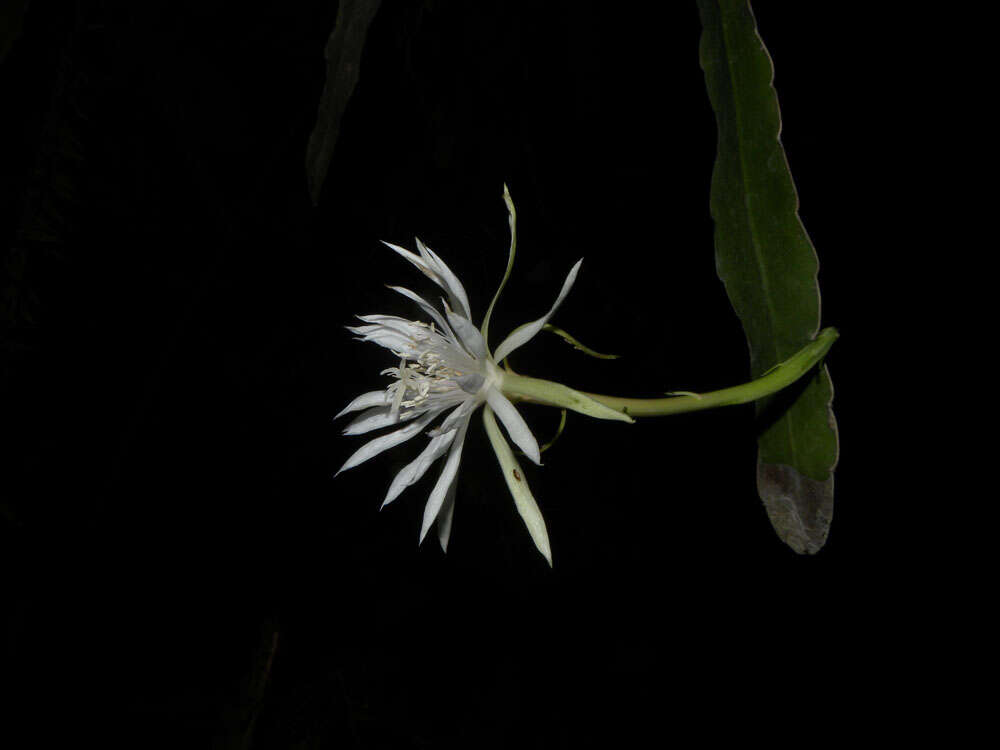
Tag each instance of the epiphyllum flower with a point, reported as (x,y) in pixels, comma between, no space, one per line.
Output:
(445,367)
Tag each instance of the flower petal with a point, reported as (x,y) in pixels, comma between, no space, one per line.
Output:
(395,323)
(414,470)
(518,486)
(446,516)
(406,328)
(391,340)
(383,443)
(525,333)
(517,428)
(436,270)
(468,335)
(427,308)
(446,481)
(381,416)
(451,422)
(451,283)
(414,259)
(365,400)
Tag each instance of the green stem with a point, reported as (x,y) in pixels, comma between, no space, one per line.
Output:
(781,376)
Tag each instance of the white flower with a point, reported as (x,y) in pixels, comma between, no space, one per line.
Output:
(445,367)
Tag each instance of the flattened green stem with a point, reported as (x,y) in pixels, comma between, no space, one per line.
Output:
(780,376)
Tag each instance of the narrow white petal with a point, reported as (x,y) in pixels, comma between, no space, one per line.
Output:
(525,333)
(524,501)
(446,516)
(365,400)
(413,471)
(436,448)
(449,475)
(389,319)
(414,259)
(450,284)
(383,337)
(402,326)
(385,442)
(437,271)
(468,335)
(427,308)
(453,420)
(517,428)
(378,417)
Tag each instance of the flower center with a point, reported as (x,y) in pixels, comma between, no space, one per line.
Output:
(440,368)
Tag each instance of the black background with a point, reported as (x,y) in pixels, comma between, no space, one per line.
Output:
(175,352)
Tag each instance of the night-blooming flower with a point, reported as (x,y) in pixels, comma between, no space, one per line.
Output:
(444,367)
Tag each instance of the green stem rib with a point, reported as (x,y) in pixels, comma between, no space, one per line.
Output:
(781,376)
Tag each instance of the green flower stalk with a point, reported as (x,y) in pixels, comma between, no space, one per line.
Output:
(445,365)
